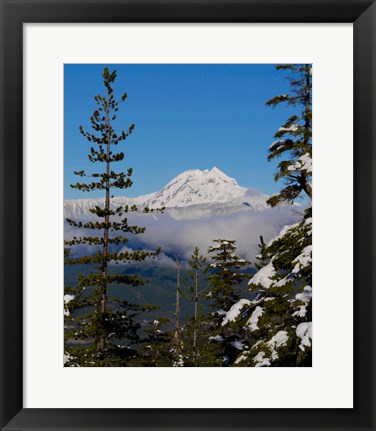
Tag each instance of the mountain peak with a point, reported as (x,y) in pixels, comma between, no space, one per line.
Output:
(217,173)
(197,186)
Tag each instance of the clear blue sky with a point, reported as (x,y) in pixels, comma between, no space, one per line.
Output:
(186,117)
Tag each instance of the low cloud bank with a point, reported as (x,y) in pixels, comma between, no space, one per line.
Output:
(182,236)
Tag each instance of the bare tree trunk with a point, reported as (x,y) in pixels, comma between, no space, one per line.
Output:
(195,322)
(308,189)
(262,244)
(177,309)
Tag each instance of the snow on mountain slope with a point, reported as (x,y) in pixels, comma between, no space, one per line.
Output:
(192,194)
(197,187)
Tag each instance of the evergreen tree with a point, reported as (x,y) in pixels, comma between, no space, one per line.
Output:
(278,322)
(106,329)
(224,281)
(294,137)
(225,276)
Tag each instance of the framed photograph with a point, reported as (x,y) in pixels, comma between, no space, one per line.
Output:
(207,166)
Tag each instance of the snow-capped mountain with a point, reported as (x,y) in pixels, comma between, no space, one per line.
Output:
(197,187)
(194,193)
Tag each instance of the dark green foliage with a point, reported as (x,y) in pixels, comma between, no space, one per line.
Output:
(287,302)
(156,347)
(120,328)
(102,331)
(294,138)
(224,280)
(225,275)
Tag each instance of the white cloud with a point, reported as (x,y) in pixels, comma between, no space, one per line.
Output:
(182,236)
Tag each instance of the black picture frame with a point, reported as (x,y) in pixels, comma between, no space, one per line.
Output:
(13,14)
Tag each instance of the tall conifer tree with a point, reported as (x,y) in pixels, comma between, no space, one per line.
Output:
(102,319)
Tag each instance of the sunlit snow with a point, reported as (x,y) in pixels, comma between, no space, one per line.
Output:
(292,128)
(306,295)
(261,361)
(252,321)
(304,331)
(234,311)
(264,276)
(303,260)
